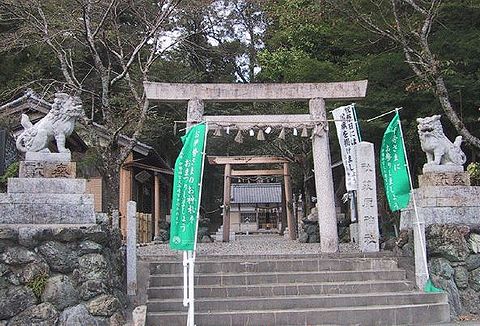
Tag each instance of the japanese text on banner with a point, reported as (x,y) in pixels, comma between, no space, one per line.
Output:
(186,189)
(348,136)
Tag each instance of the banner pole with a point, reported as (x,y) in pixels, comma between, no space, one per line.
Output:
(421,274)
(192,253)
(185,279)
(201,187)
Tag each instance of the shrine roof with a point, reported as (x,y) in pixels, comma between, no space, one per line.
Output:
(256,193)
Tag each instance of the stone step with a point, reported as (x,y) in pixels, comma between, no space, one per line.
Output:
(286,289)
(361,315)
(281,277)
(248,264)
(299,302)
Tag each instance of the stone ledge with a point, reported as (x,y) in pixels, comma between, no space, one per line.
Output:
(46,185)
(470,192)
(441,215)
(47,214)
(16,226)
(36,199)
(444,168)
(49,157)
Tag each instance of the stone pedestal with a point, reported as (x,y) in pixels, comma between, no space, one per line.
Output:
(444,197)
(47,193)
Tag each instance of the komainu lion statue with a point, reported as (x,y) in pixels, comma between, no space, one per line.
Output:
(58,124)
(439,149)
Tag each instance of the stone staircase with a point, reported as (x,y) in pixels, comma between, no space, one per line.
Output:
(292,290)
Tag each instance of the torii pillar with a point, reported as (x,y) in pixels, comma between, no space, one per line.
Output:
(315,93)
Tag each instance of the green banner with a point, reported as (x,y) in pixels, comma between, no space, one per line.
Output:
(394,166)
(186,189)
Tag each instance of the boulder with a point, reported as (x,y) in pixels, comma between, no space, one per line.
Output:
(32,271)
(60,291)
(89,247)
(28,236)
(92,267)
(43,314)
(452,293)
(461,277)
(116,319)
(470,301)
(67,234)
(206,239)
(14,300)
(60,257)
(474,243)
(474,279)
(403,238)
(441,267)
(447,241)
(77,315)
(8,234)
(18,256)
(104,305)
(303,237)
(91,288)
(97,233)
(3,269)
(163,236)
(473,262)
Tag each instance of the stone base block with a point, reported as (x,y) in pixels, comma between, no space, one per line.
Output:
(444,204)
(444,179)
(48,157)
(27,208)
(46,169)
(445,168)
(46,185)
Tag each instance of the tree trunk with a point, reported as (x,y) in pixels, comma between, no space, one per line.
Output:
(112,189)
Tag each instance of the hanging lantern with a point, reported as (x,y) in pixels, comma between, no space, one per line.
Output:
(218,132)
(251,133)
(304,132)
(295,132)
(239,137)
(268,130)
(282,134)
(260,135)
(228,130)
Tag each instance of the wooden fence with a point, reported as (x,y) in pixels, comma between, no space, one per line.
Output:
(144,228)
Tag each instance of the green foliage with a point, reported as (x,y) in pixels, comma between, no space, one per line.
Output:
(474,170)
(38,284)
(10,172)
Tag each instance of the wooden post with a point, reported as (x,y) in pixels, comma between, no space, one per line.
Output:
(323,178)
(292,234)
(125,193)
(157,204)
(226,202)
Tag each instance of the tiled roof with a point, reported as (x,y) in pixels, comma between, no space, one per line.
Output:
(256,193)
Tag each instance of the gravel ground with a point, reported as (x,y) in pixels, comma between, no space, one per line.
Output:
(263,244)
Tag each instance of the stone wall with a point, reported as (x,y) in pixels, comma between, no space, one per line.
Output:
(61,276)
(453,262)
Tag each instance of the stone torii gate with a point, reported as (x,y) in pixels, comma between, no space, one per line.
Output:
(228,161)
(316,93)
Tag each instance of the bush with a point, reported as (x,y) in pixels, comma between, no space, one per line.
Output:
(10,172)
(474,170)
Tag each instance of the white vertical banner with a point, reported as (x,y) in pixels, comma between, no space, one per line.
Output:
(347,132)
